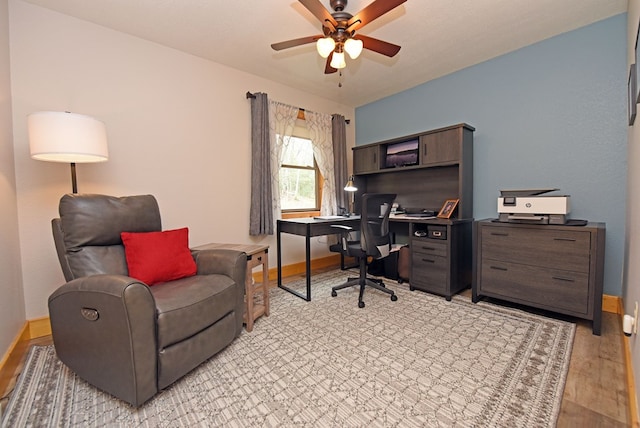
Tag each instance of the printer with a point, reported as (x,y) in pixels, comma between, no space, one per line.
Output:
(533,206)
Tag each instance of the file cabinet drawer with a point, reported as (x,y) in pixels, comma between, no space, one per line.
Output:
(530,285)
(429,272)
(557,249)
(429,247)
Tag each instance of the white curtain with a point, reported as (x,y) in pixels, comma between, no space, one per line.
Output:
(319,126)
(282,119)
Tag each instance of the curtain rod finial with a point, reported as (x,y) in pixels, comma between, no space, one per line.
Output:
(250,95)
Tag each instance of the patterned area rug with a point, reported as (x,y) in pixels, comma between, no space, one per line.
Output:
(418,362)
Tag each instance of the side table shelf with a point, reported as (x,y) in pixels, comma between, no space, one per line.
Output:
(256,296)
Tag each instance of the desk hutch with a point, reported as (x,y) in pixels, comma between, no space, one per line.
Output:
(441,262)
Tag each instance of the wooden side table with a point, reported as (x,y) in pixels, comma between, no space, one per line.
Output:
(256,294)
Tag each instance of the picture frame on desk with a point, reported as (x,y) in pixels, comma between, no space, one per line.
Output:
(448,208)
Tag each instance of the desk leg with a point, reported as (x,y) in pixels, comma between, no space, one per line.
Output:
(307,265)
(279,250)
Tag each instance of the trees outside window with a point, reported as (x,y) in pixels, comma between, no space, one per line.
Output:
(299,177)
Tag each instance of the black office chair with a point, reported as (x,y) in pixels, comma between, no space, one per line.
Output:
(374,241)
(337,248)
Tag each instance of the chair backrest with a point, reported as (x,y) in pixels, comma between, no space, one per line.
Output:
(374,223)
(87,234)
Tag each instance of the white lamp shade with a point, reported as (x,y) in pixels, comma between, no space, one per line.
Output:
(325,46)
(338,60)
(67,137)
(353,47)
(350,186)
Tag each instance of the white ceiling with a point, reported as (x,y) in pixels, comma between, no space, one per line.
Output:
(437,37)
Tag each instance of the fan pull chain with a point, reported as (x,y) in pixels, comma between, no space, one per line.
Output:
(340,79)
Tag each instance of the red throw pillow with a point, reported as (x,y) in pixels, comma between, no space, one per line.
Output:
(154,257)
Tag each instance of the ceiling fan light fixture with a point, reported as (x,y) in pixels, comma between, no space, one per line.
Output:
(325,46)
(353,47)
(337,61)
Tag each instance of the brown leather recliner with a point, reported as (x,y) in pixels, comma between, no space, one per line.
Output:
(120,335)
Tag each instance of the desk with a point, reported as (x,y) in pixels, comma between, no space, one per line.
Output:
(438,265)
(308,227)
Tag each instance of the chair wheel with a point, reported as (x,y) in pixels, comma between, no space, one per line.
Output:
(394,297)
(333,293)
(361,304)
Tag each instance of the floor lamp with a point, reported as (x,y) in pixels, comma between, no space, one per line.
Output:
(351,188)
(67,137)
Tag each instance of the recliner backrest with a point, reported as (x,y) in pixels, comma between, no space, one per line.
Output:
(87,234)
(374,223)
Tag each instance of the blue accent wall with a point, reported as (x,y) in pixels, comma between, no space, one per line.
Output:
(553,114)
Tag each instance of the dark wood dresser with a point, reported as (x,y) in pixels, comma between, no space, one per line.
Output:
(558,268)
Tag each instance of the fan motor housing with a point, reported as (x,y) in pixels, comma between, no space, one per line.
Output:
(338,5)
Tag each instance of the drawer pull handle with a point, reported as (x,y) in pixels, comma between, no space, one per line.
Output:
(428,248)
(499,268)
(499,234)
(560,278)
(428,261)
(564,239)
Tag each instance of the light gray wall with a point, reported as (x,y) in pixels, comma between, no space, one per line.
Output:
(12,311)
(553,114)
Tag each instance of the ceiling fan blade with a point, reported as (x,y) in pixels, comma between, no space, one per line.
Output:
(295,42)
(380,46)
(320,12)
(371,12)
(327,67)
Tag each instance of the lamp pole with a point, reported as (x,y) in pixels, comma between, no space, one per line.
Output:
(74,182)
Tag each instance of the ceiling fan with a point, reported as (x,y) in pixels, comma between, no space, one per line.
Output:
(339,32)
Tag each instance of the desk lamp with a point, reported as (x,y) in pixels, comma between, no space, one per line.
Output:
(67,137)
(351,188)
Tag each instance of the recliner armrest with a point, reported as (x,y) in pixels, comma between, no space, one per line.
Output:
(221,261)
(232,263)
(104,330)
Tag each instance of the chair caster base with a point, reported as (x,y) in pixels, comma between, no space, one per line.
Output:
(361,304)
(394,297)
(333,293)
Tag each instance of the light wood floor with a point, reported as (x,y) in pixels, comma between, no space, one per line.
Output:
(595,393)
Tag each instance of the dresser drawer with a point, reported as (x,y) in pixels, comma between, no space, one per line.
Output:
(554,289)
(555,249)
(429,272)
(429,247)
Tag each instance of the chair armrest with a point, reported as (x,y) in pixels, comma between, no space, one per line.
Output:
(103,328)
(342,228)
(232,263)
(221,261)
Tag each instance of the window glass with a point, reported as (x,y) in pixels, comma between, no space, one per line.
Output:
(298,176)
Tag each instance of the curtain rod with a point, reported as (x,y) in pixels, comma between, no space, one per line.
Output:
(250,95)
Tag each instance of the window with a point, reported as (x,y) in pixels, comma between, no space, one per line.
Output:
(299,177)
